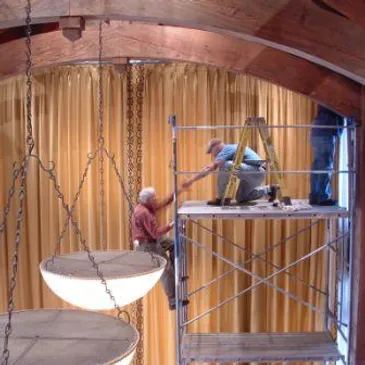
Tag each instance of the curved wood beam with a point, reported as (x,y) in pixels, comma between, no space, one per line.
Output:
(294,26)
(354,9)
(122,39)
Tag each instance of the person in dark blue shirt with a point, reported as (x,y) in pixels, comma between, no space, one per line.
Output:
(323,142)
(249,187)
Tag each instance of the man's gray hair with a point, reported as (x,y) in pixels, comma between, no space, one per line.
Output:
(146,193)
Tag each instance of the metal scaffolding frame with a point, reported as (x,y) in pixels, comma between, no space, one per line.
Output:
(266,347)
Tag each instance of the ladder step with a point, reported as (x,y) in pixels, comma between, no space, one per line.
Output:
(259,347)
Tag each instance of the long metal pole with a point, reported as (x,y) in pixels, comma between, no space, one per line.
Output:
(322,172)
(351,148)
(260,279)
(184,284)
(279,126)
(328,272)
(341,284)
(172,121)
(255,256)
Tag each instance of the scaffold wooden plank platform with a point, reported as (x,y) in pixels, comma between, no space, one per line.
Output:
(260,209)
(259,347)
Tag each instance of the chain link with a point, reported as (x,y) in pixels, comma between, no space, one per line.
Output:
(70,212)
(131,175)
(22,189)
(28,42)
(15,262)
(130,148)
(119,176)
(139,134)
(90,158)
(83,243)
(11,191)
(101,142)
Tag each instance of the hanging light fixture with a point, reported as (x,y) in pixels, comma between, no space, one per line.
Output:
(71,336)
(100,280)
(60,337)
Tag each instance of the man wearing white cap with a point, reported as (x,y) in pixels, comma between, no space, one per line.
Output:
(251,175)
(149,236)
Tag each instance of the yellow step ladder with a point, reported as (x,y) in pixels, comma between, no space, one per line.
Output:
(260,124)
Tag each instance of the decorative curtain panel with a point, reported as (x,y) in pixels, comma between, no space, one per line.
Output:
(65,118)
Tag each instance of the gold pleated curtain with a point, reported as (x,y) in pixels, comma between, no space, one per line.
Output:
(65,118)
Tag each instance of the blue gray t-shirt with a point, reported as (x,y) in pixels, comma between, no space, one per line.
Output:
(229,150)
(328,118)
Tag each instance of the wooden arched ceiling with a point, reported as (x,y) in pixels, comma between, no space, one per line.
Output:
(299,27)
(352,9)
(124,39)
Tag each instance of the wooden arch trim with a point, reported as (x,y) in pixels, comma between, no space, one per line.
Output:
(299,27)
(122,39)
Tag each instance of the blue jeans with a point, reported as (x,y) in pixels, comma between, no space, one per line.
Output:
(168,277)
(323,159)
(249,187)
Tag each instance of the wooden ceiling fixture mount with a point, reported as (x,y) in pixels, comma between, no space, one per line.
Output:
(72,27)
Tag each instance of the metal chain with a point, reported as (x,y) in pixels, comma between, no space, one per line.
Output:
(130,147)
(336,311)
(138,172)
(139,133)
(133,305)
(83,243)
(90,158)
(119,176)
(131,182)
(130,203)
(22,188)
(70,210)
(18,231)
(11,191)
(28,41)
(101,142)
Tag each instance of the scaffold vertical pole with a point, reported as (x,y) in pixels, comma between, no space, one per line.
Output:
(328,290)
(183,270)
(172,122)
(327,270)
(351,153)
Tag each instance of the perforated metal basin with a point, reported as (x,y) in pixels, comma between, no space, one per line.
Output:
(129,275)
(72,337)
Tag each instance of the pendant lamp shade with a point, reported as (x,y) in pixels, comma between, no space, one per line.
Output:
(72,337)
(129,275)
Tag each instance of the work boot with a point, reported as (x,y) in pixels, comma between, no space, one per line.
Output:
(219,202)
(216,201)
(273,192)
(325,203)
(184,303)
